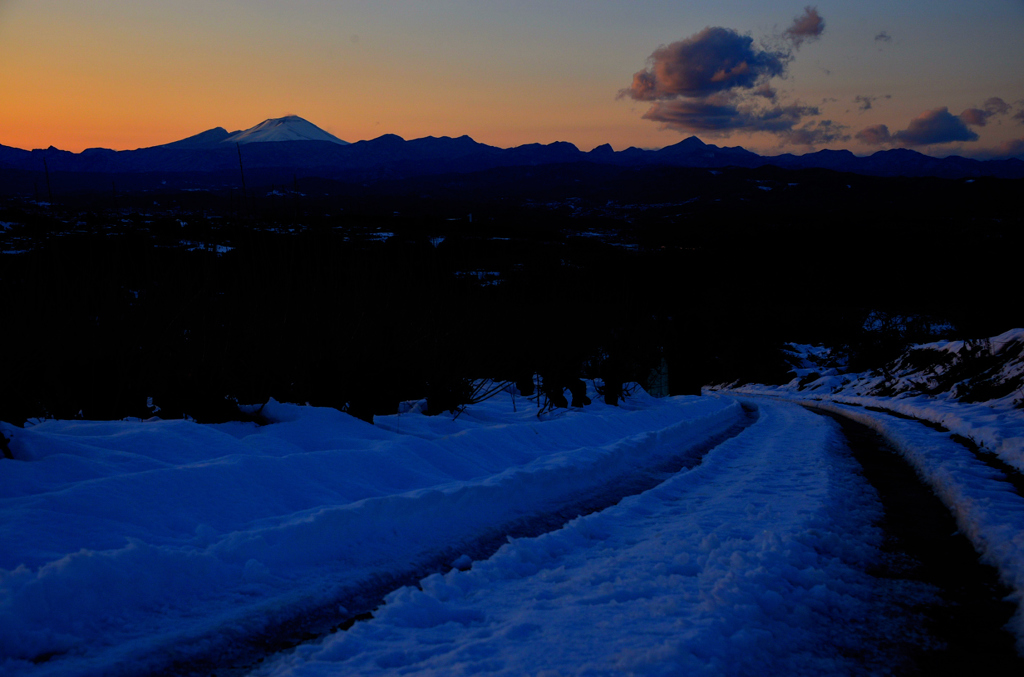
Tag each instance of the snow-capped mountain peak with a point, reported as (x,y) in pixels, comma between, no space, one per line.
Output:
(288,128)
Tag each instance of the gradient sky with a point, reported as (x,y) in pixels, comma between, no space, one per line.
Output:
(77,74)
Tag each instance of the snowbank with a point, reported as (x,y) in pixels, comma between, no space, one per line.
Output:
(972,388)
(132,544)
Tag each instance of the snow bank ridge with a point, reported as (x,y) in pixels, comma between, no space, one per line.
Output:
(129,538)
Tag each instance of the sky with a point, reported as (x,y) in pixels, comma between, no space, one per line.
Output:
(938,76)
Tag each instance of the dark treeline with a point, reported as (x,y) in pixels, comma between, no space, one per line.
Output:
(100,324)
(103,316)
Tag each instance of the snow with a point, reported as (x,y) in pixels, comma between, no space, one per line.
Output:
(746,564)
(193,246)
(288,128)
(1007,337)
(989,511)
(727,534)
(996,425)
(138,538)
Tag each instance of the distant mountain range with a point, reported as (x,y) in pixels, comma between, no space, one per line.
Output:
(292,146)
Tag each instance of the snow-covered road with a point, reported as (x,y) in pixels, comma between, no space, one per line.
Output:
(131,547)
(751,563)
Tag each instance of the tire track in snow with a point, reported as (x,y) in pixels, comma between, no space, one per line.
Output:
(964,631)
(1011,475)
(341,613)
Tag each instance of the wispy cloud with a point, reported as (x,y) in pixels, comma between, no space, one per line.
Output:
(816,133)
(766,91)
(1019,115)
(805,28)
(721,113)
(865,102)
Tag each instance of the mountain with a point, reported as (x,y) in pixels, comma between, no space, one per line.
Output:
(207,139)
(288,128)
(274,130)
(287,147)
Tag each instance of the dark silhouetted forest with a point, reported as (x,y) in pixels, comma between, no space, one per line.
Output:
(360,298)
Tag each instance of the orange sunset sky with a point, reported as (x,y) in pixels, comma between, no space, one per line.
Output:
(126,75)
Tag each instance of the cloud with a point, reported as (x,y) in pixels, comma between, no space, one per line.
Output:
(1012,148)
(934,126)
(816,133)
(714,60)
(931,127)
(874,136)
(979,116)
(807,27)
(717,82)
(883,36)
(765,90)
(864,102)
(996,106)
(975,117)
(725,114)
(698,115)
